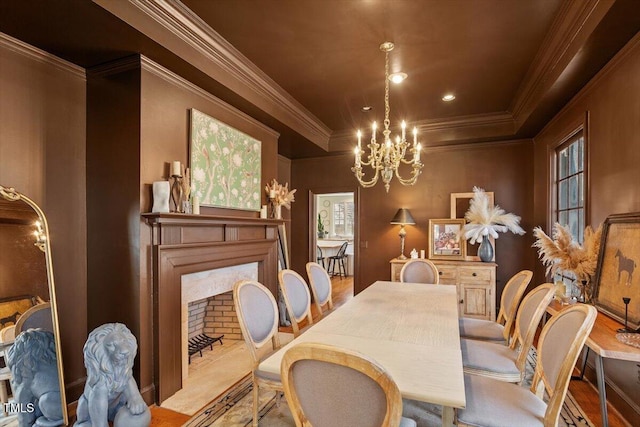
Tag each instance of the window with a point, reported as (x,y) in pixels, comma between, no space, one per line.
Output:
(570,185)
(570,190)
(343,219)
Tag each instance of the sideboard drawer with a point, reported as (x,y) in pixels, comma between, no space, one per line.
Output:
(475,275)
(447,275)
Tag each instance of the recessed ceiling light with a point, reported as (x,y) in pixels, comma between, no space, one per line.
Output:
(449,97)
(367,108)
(397,77)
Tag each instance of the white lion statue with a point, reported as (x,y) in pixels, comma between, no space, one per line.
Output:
(111,393)
(35,382)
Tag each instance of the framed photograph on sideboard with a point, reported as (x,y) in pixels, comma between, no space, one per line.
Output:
(444,239)
(618,271)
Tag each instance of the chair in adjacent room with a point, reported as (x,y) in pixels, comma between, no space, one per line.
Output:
(491,402)
(320,286)
(508,363)
(38,316)
(419,271)
(257,313)
(320,256)
(297,298)
(501,329)
(339,260)
(326,386)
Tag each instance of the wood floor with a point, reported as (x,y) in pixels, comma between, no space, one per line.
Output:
(584,392)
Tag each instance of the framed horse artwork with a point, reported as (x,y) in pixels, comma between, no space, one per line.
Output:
(618,272)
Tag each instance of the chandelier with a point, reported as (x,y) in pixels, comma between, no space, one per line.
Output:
(385,159)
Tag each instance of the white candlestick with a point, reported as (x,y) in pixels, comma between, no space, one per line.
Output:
(404,125)
(196,205)
(176,170)
(359,138)
(272,194)
(375,126)
(415,136)
(263,211)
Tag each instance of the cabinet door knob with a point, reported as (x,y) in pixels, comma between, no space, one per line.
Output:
(474,274)
(440,273)
(461,301)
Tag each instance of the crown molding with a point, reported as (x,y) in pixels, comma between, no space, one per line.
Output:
(146,64)
(574,23)
(174,26)
(39,55)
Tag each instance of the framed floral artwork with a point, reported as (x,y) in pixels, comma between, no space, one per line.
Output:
(445,240)
(618,272)
(225,164)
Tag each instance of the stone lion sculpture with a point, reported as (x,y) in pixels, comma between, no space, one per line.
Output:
(111,393)
(35,382)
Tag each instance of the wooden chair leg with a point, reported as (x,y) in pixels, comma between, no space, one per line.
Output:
(3,396)
(255,404)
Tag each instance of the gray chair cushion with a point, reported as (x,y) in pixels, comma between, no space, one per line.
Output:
(481,329)
(321,282)
(492,403)
(266,375)
(297,293)
(490,359)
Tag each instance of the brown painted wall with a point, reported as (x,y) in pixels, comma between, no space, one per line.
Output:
(505,169)
(42,154)
(612,99)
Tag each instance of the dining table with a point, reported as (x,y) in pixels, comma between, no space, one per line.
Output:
(410,329)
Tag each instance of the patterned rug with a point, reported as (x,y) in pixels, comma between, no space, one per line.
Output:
(235,409)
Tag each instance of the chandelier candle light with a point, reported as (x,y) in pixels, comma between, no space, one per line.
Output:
(385,159)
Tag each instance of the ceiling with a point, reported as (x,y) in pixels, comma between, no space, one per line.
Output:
(305,68)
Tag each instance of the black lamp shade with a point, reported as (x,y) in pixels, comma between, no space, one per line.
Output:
(403,216)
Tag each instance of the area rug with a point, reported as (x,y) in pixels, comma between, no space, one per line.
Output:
(235,409)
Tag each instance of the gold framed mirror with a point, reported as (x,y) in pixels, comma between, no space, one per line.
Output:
(27,290)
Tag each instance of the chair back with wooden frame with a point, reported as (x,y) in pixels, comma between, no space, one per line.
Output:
(320,286)
(491,402)
(508,364)
(502,329)
(297,298)
(419,271)
(257,313)
(326,386)
(38,316)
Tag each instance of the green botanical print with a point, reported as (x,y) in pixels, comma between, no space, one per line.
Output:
(225,164)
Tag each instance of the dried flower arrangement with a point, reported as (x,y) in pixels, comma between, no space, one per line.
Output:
(564,254)
(485,220)
(279,194)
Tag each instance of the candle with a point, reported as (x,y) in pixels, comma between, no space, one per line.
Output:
(375,126)
(357,153)
(422,253)
(176,170)
(415,136)
(404,125)
(272,194)
(359,139)
(416,154)
(196,205)
(263,211)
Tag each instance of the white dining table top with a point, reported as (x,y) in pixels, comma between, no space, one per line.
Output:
(410,329)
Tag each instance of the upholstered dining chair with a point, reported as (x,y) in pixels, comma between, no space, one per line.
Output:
(257,313)
(297,298)
(327,386)
(494,360)
(500,330)
(320,286)
(492,403)
(38,316)
(419,271)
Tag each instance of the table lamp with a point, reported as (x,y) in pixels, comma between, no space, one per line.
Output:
(403,217)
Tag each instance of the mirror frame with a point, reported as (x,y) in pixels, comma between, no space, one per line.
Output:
(11,195)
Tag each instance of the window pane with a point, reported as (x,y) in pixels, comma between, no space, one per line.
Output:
(581,225)
(573,159)
(573,192)
(580,178)
(581,154)
(562,195)
(563,218)
(574,223)
(562,164)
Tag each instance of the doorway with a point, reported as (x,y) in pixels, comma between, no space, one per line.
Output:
(333,229)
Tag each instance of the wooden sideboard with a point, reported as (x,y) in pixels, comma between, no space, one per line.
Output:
(475,281)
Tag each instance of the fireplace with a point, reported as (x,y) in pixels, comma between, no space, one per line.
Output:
(184,245)
(201,288)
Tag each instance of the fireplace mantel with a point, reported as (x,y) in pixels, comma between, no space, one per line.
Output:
(184,244)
